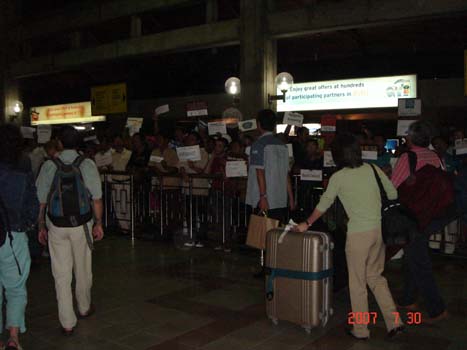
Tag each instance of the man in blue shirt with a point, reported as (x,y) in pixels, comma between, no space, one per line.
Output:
(268,175)
(70,250)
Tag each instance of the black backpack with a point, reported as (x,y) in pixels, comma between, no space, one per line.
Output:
(69,203)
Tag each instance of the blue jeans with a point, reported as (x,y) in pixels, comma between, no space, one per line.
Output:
(14,282)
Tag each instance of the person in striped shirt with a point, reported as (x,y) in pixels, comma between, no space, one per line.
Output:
(418,273)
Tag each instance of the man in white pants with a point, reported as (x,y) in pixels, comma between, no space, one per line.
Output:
(70,247)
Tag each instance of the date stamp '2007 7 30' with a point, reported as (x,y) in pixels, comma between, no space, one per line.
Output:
(365,318)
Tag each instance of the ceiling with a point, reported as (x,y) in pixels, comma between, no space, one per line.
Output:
(431,49)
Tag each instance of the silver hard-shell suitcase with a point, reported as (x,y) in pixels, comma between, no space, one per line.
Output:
(299,277)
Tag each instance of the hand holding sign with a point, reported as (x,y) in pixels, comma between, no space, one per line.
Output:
(292,118)
(187,153)
(236,168)
(217,127)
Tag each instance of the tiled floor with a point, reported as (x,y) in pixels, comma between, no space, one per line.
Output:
(153,296)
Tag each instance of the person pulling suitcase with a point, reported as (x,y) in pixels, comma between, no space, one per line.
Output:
(356,186)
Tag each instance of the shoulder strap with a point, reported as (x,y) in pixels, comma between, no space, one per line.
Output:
(78,161)
(58,163)
(412,161)
(382,191)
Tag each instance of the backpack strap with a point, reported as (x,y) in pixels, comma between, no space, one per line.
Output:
(412,162)
(58,163)
(382,191)
(78,161)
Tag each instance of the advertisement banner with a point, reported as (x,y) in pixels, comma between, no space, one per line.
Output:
(349,94)
(79,112)
(109,99)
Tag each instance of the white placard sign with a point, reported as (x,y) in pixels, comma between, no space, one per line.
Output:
(217,127)
(247,125)
(328,161)
(248,150)
(349,94)
(403,126)
(197,113)
(44,133)
(192,153)
(461,147)
(161,110)
(134,125)
(236,168)
(290,149)
(27,132)
(103,159)
(370,155)
(155,159)
(311,175)
(90,138)
(292,118)
(410,107)
(328,128)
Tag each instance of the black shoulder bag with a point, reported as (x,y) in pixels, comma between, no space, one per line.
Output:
(397,224)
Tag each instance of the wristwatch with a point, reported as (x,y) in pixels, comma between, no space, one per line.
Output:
(264,195)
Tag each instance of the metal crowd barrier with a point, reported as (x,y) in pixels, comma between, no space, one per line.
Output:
(163,206)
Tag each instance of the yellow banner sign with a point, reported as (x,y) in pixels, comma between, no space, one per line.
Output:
(79,112)
(109,99)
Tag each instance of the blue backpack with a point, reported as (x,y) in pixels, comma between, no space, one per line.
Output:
(69,203)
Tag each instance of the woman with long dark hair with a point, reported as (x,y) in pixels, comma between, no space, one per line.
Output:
(19,209)
(355,185)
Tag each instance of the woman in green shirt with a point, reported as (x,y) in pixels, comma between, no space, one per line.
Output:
(357,189)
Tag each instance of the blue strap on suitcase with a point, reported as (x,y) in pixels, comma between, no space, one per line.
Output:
(299,275)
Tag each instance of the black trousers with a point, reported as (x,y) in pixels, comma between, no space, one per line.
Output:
(418,272)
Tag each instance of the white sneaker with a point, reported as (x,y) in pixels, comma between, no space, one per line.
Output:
(189,244)
(199,245)
(218,248)
(398,255)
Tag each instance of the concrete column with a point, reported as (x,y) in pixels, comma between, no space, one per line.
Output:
(75,40)
(9,91)
(212,11)
(9,50)
(136,27)
(258,58)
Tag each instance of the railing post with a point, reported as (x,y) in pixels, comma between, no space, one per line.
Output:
(223,212)
(132,216)
(161,204)
(190,193)
(106,202)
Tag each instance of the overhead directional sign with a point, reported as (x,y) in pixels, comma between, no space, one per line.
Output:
(109,99)
(79,112)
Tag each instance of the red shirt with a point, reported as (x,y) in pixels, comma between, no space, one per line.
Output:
(402,170)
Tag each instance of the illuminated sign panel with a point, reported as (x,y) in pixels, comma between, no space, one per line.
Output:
(79,112)
(349,94)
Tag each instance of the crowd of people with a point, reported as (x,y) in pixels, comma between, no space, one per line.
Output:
(64,197)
